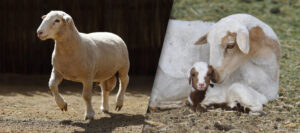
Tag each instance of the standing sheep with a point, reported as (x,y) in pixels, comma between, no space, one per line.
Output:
(85,58)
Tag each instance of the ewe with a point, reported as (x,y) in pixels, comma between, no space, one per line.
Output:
(245,53)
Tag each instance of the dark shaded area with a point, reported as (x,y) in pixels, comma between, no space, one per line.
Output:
(141,24)
(12,84)
(107,124)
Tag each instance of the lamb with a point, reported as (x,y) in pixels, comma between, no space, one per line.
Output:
(85,58)
(199,77)
(245,53)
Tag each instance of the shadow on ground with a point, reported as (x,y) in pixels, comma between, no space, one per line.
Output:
(107,124)
(12,84)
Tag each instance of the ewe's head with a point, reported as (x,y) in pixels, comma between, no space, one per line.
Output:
(200,75)
(53,25)
(229,46)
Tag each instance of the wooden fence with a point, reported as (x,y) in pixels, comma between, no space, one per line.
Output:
(141,23)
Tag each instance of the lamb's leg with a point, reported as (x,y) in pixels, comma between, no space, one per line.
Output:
(106,87)
(124,79)
(87,97)
(54,81)
(247,96)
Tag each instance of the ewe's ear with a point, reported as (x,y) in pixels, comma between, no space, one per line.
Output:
(242,40)
(43,16)
(67,18)
(202,40)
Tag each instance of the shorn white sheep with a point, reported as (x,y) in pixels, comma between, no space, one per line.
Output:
(85,58)
(245,53)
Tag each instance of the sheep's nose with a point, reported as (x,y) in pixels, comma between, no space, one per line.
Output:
(39,33)
(201,85)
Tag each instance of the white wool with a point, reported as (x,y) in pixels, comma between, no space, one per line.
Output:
(85,58)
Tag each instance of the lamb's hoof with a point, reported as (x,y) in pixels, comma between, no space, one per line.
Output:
(64,108)
(118,107)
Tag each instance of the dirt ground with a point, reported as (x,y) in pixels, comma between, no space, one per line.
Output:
(26,105)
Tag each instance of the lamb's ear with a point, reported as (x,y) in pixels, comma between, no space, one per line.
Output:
(211,72)
(214,76)
(67,18)
(190,80)
(202,40)
(44,16)
(242,40)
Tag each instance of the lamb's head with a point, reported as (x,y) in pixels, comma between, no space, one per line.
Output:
(53,25)
(229,47)
(200,75)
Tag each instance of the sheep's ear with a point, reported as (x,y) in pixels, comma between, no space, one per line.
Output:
(211,72)
(202,40)
(67,18)
(214,76)
(190,80)
(44,16)
(242,40)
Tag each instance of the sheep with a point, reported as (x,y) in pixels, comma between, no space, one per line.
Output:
(245,53)
(85,58)
(200,77)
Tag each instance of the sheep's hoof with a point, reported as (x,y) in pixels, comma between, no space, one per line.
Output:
(65,108)
(118,107)
(105,111)
(89,118)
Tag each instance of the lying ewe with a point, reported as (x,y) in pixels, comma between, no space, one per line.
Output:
(200,75)
(85,58)
(245,53)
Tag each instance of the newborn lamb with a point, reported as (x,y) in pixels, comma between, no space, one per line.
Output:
(199,77)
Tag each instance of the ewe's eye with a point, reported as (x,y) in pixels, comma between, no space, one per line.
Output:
(56,21)
(193,75)
(230,46)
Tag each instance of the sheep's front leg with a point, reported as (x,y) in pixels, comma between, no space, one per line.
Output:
(87,97)
(54,81)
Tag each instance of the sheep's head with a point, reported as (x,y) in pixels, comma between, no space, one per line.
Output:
(53,24)
(229,47)
(200,75)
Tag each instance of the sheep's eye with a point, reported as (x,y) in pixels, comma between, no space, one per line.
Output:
(193,75)
(56,21)
(230,46)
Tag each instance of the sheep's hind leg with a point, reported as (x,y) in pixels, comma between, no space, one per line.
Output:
(106,87)
(87,97)
(124,79)
(54,81)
